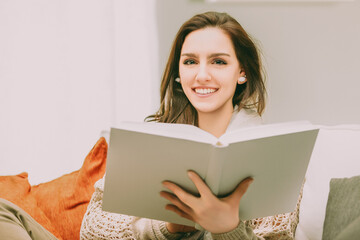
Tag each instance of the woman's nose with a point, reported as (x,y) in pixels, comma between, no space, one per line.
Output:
(203,73)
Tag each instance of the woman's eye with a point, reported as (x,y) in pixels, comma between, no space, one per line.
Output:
(189,62)
(219,62)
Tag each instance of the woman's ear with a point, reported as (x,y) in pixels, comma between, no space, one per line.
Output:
(242,78)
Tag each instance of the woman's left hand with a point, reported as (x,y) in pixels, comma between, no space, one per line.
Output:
(216,215)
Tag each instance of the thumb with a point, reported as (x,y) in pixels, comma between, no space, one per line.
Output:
(235,197)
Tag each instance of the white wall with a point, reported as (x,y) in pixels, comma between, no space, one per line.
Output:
(311,52)
(56,81)
(68,70)
(136,60)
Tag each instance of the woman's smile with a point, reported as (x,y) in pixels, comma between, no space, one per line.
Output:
(202,91)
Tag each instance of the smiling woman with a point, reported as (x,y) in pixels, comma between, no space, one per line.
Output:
(213,79)
(213,73)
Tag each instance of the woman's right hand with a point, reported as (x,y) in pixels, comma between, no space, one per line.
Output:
(216,215)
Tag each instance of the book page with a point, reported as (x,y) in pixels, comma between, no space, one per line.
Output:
(266,130)
(278,165)
(179,131)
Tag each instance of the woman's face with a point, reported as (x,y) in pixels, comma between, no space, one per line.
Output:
(209,70)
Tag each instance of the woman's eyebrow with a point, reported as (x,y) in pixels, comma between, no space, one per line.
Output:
(188,55)
(219,54)
(210,56)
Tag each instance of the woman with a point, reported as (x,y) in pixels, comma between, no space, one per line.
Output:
(212,80)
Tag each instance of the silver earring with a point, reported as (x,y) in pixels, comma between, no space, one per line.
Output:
(241,80)
(177,80)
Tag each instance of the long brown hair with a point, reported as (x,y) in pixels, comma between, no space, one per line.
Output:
(175,107)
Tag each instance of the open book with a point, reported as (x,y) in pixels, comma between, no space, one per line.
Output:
(142,155)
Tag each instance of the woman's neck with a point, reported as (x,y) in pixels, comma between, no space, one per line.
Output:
(215,123)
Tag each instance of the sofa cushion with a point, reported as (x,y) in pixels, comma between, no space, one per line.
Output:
(343,209)
(65,199)
(17,190)
(336,155)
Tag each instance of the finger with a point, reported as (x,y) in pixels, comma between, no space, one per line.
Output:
(178,211)
(201,186)
(175,201)
(239,192)
(184,197)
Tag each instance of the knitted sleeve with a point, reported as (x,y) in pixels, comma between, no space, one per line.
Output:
(278,227)
(101,225)
(243,231)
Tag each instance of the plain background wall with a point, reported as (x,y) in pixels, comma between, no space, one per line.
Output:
(311,53)
(56,81)
(136,60)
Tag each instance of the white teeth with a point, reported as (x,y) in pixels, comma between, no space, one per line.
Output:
(204,90)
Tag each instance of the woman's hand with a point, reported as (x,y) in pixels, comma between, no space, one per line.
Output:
(216,215)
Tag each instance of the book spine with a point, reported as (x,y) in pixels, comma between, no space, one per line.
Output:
(214,170)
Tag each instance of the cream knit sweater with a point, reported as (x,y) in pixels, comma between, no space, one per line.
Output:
(101,225)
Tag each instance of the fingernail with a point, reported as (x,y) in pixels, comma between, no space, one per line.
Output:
(251,180)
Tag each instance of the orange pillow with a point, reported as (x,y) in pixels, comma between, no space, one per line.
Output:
(64,200)
(17,190)
(58,205)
